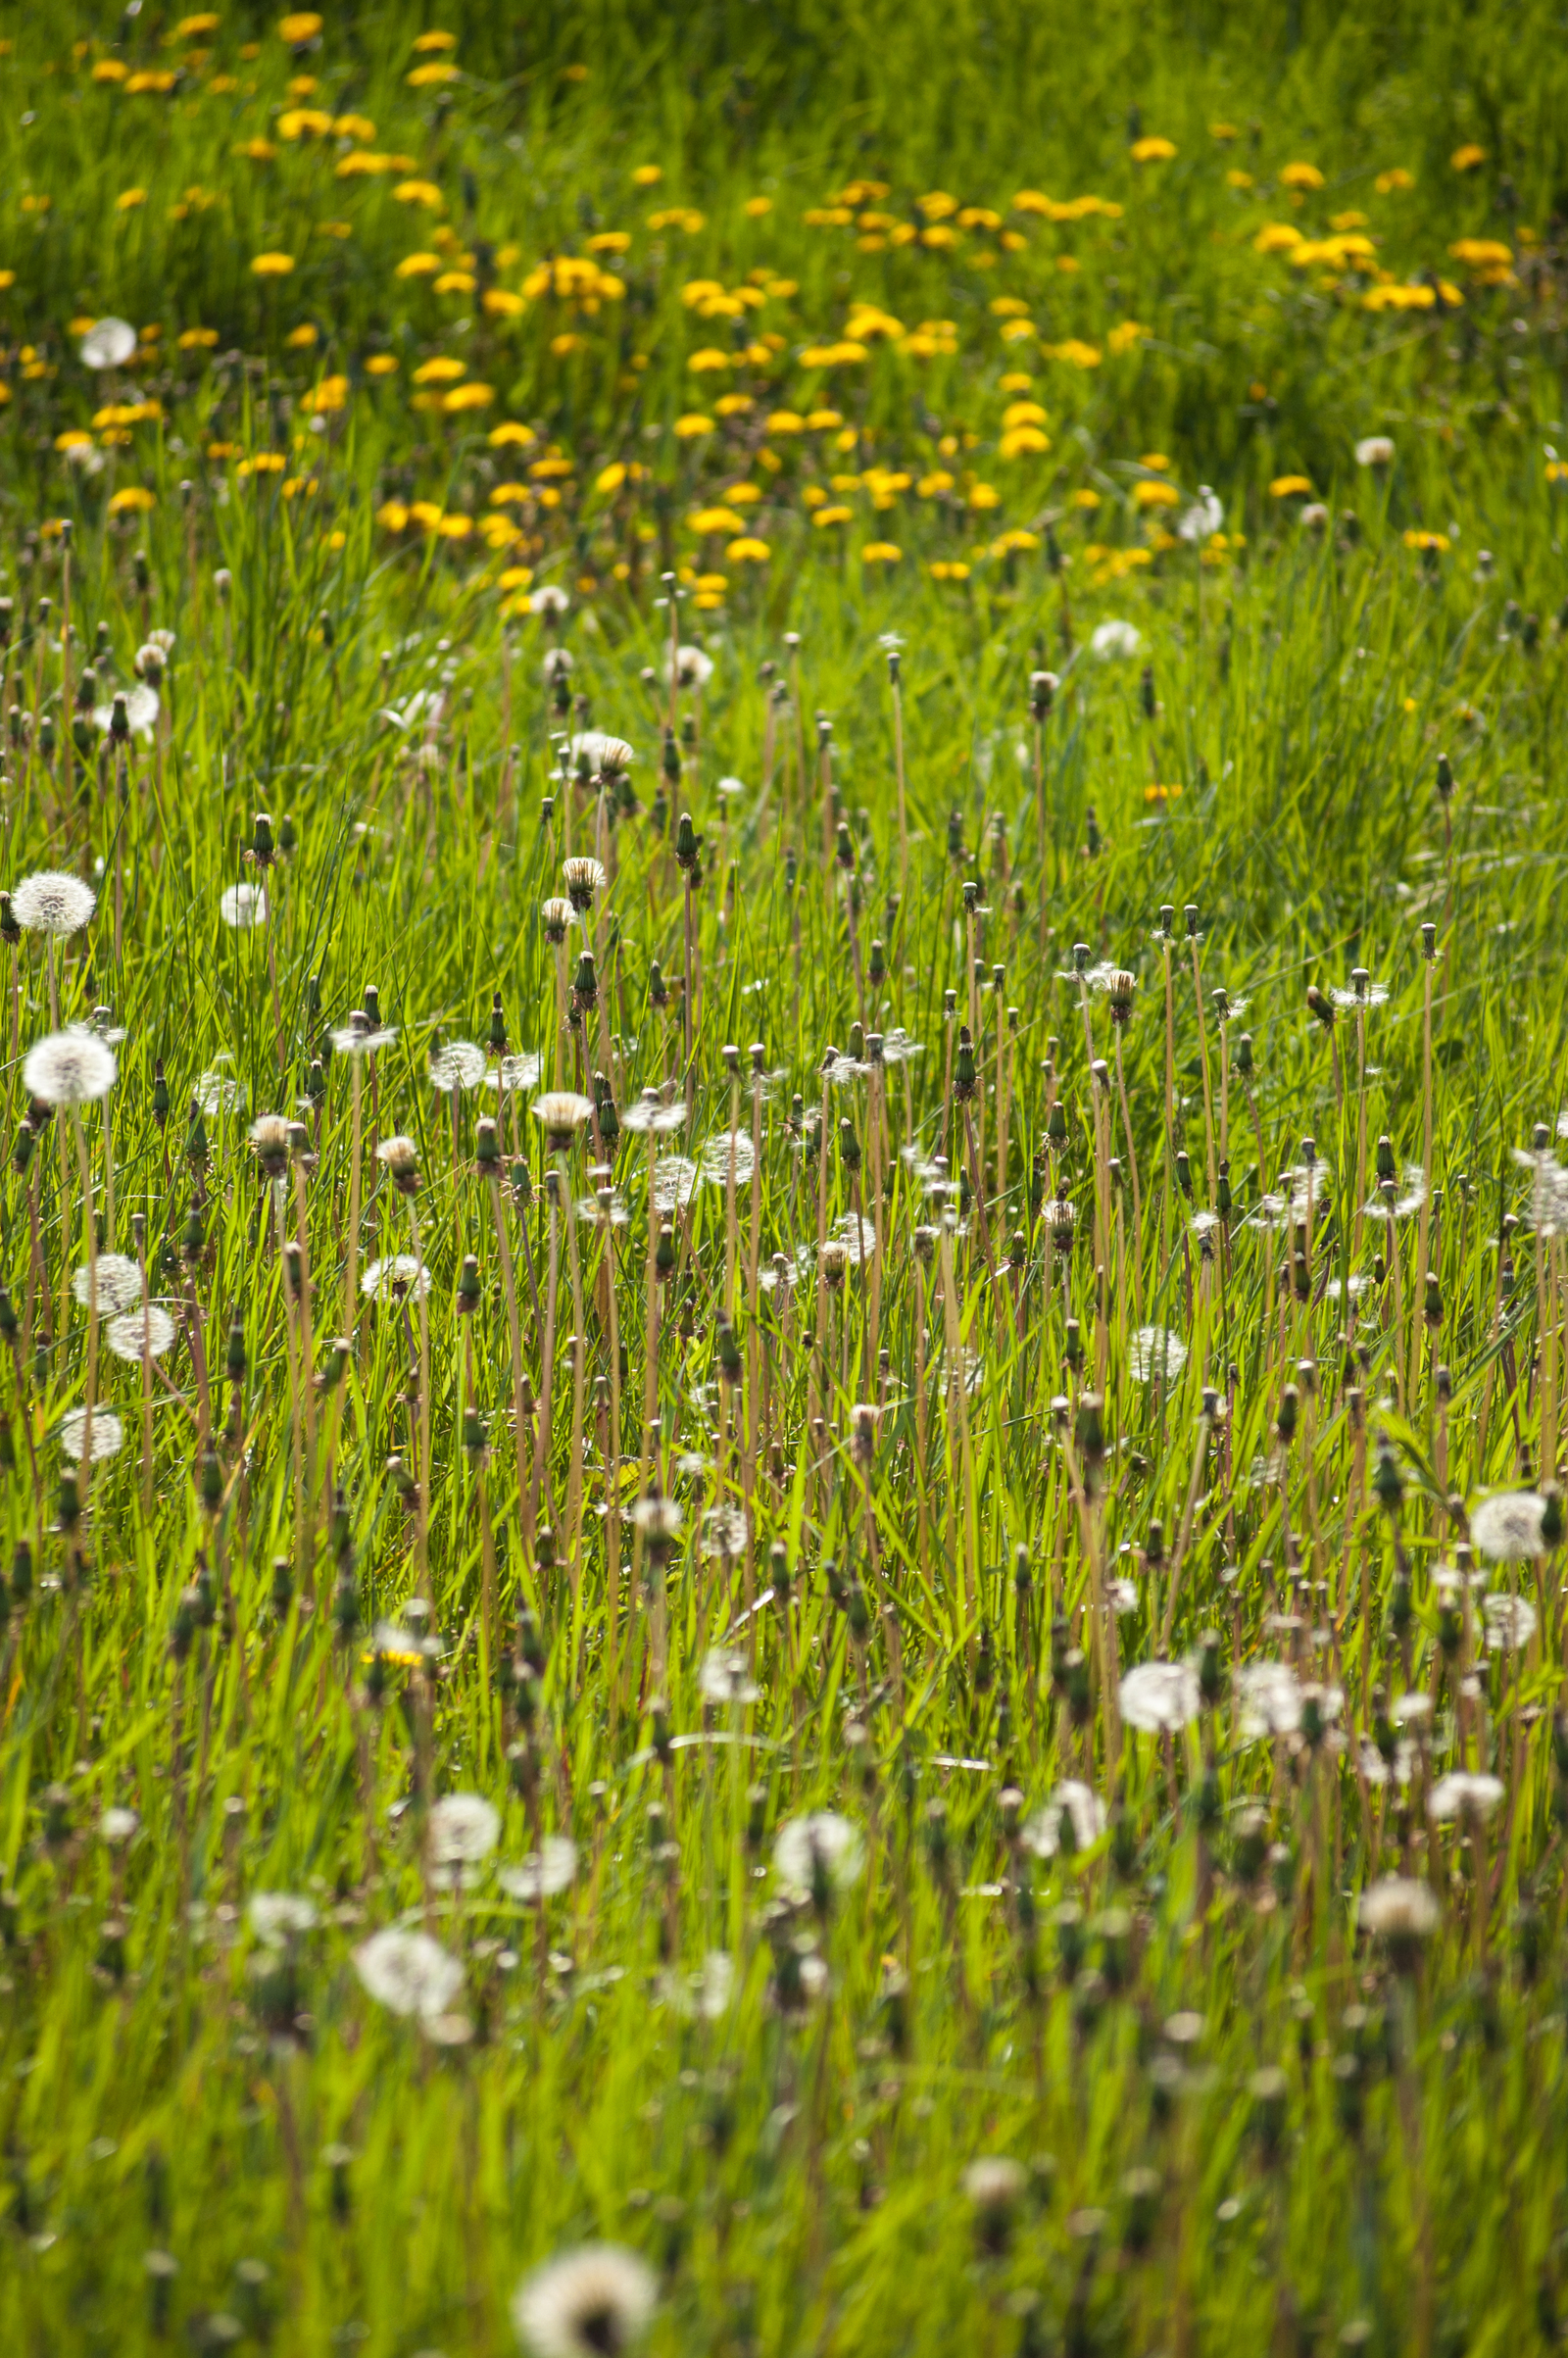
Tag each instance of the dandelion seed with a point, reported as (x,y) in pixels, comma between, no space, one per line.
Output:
(359,1037)
(658,1519)
(544,1873)
(1084,1811)
(855,1236)
(549,599)
(1160,1696)
(1374,450)
(820,1845)
(1414,1196)
(1270,1697)
(278,1917)
(1464,1794)
(1362,992)
(1202,520)
(1508,1527)
(142,707)
(52,902)
(606,1211)
(1400,1910)
(242,906)
(408,1973)
(898,1048)
(398,1278)
(731,1152)
(674,1183)
(116,1826)
(69,1068)
(147,1333)
(592,2303)
(464,1828)
(119,1283)
(584,878)
(108,1435)
(1156,1354)
(1115,641)
(458,1066)
(724,1679)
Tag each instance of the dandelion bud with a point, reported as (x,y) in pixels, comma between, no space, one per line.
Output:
(1444,777)
(468,1287)
(1386,1479)
(235,1361)
(1120,995)
(1284,1422)
(1429,941)
(119,720)
(1320,1007)
(1146,691)
(487,1148)
(21,1573)
(963,1070)
(585,982)
(1432,1309)
(686,845)
(1090,1428)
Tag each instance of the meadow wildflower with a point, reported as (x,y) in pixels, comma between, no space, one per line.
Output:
(593,2303)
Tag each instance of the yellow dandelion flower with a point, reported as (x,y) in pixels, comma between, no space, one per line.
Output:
(879,552)
(468,397)
(381,364)
(134,500)
(688,428)
(455,527)
(442,370)
(272,266)
(129,199)
(748,550)
(1466,157)
(420,192)
(1152,150)
(833,515)
(428,77)
(417,265)
(1289,487)
(503,437)
(1155,495)
(1301,175)
(434,41)
(299,27)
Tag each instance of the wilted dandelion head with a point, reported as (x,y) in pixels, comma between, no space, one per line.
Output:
(119,1283)
(556,914)
(549,599)
(517,1072)
(543,1874)
(398,1278)
(559,663)
(658,1518)
(674,1183)
(1374,450)
(52,902)
(1509,1527)
(584,878)
(108,1435)
(399,1158)
(69,1068)
(820,1848)
(607,756)
(592,2303)
(408,1973)
(147,1332)
(456,1066)
(1160,1696)
(242,906)
(270,1138)
(1156,1354)
(561,1114)
(1362,992)
(140,706)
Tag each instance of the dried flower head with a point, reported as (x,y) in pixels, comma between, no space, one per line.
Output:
(270,1138)
(145,1333)
(242,906)
(407,1972)
(108,1435)
(1160,1696)
(584,878)
(650,1114)
(459,1065)
(119,1283)
(543,1874)
(1156,1354)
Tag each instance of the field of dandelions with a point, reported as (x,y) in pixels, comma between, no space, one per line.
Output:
(782,1234)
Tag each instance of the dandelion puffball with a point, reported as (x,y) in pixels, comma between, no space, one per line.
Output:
(119,1283)
(457,1065)
(108,1435)
(543,1874)
(592,2303)
(242,906)
(820,1843)
(464,1828)
(108,344)
(52,902)
(1160,1696)
(141,713)
(408,1973)
(69,1068)
(395,1279)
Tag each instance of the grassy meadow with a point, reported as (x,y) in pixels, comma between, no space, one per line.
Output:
(782,1275)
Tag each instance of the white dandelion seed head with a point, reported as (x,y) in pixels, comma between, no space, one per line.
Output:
(119,1283)
(612,1213)
(219,1093)
(108,1435)
(730,1151)
(1375,450)
(464,1828)
(993,2180)
(592,2303)
(1508,1526)
(1464,1794)
(116,1826)
(359,1037)
(69,1068)
(1081,1805)
(725,1679)
(278,1917)
(674,1183)
(560,1112)
(142,707)
(1411,1201)
(456,1066)
(819,1844)
(1156,1353)
(1510,1623)
(658,1517)
(148,1331)
(1270,1697)
(649,1115)
(856,1235)
(605,754)
(53,902)
(559,663)
(898,1048)
(1399,1908)
(109,343)
(544,1873)
(408,1973)
(1202,520)
(517,1072)
(243,906)
(1364,995)
(693,668)
(398,1278)
(1115,641)
(548,598)
(1158,1697)
(724,1530)
(583,877)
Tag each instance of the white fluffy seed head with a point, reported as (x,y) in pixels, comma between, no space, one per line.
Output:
(52,902)
(69,1068)
(592,2303)
(119,1283)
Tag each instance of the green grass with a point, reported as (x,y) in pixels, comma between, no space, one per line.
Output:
(211,2136)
